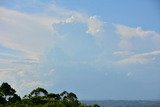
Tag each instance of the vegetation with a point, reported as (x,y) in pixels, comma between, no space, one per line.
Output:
(39,97)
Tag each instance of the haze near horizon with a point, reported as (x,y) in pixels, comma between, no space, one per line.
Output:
(99,49)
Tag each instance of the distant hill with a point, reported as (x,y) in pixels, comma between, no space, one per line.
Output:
(123,103)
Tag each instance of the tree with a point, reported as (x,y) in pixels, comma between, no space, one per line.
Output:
(2,100)
(39,97)
(64,95)
(68,96)
(38,91)
(72,96)
(14,99)
(54,96)
(6,90)
(96,105)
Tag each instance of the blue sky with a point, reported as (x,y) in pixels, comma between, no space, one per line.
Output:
(100,50)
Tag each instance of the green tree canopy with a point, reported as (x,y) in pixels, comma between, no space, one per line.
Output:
(38,91)
(39,97)
(15,98)
(54,96)
(6,90)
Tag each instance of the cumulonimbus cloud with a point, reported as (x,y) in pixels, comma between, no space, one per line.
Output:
(29,37)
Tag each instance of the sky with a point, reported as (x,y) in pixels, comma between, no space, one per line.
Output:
(98,49)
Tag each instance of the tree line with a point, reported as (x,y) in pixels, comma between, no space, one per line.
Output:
(38,97)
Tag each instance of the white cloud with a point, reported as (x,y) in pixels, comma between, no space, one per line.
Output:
(30,37)
(95,26)
(24,33)
(140,58)
(128,34)
(123,53)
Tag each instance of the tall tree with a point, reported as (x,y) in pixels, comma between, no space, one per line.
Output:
(53,96)
(68,96)
(38,91)
(15,98)
(64,95)
(6,90)
(72,96)
(2,100)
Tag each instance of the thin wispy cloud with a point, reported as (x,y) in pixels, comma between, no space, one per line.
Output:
(142,58)
(132,38)
(123,53)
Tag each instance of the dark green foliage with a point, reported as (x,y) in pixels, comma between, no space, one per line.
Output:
(54,96)
(38,91)
(64,95)
(72,96)
(14,99)
(2,100)
(95,105)
(6,91)
(7,95)
(68,96)
(39,97)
